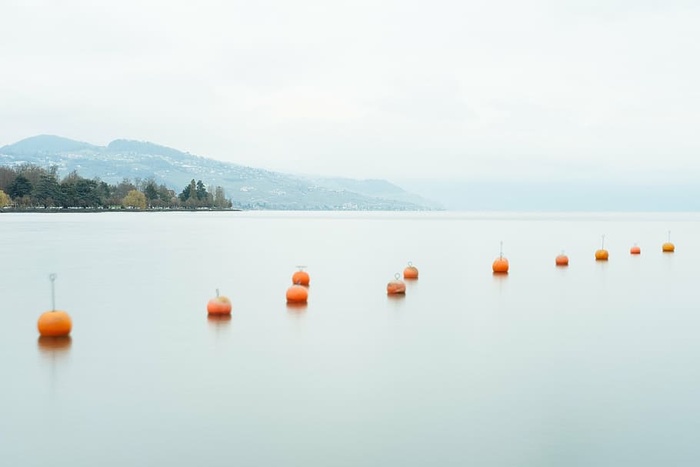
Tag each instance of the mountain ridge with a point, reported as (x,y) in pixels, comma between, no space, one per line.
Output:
(248,187)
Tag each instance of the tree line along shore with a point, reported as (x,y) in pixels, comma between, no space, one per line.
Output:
(32,188)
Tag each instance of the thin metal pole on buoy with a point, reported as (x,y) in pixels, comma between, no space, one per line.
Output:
(52,278)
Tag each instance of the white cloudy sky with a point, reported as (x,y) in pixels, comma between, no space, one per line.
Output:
(392,89)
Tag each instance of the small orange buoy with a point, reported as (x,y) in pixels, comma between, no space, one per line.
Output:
(219,305)
(500,265)
(561,260)
(410,272)
(602,254)
(297,294)
(396,287)
(54,323)
(668,247)
(301,277)
(635,250)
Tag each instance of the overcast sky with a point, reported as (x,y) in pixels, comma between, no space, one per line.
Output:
(391,89)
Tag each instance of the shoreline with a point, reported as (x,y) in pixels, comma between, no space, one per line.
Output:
(95,210)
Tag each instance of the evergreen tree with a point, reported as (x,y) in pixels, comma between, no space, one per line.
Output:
(20,187)
(68,194)
(151,191)
(104,192)
(33,172)
(190,191)
(201,191)
(48,191)
(86,193)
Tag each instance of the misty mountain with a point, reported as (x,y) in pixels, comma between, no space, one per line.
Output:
(248,187)
(46,145)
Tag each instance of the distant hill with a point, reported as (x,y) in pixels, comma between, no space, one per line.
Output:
(46,144)
(248,187)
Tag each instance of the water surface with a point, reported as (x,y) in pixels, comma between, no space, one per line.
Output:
(590,365)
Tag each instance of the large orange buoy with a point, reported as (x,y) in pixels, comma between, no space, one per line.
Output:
(219,305)
(54,323)
(500,265)
(396,287)
(668,247)
(561,260)
(410,272)
(297,294)
(602,254)
(301,277)
(635,250)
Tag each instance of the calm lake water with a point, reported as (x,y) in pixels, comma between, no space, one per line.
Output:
(592,365)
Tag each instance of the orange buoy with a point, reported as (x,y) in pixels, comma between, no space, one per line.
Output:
(668,247)
(301,277)
(602,254)
(297,294)
(635,250)
(500,265)
(219,305)
(54,323)
(396,287)
(561,260)
(410,272)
